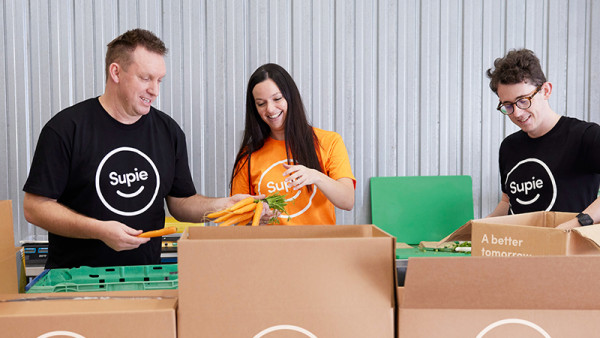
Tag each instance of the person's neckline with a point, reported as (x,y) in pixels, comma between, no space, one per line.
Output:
(114,115)
(551,130)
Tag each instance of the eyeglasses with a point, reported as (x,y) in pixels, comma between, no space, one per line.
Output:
(508,108)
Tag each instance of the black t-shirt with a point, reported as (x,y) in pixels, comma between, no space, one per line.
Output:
(559,171)
(107,170)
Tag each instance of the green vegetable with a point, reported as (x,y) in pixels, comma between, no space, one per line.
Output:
(276,202)
(464,244)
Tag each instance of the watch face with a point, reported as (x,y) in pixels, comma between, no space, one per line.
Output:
(585,219)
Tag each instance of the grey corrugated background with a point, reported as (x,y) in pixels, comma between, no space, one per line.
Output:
(401,80)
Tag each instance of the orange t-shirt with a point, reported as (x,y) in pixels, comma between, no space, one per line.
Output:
(304,207)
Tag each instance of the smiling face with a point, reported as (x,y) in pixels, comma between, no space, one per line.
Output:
(138,83)
(536,120)
(271,106)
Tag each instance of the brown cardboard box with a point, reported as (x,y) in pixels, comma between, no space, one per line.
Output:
(324,281)
(544,296)
(529,234)
(93,314)
(9,255)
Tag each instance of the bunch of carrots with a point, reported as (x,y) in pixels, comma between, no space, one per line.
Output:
(248,210)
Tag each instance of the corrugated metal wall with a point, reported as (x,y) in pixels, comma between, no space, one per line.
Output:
(401,80)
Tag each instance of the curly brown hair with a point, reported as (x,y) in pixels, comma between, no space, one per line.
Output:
(517,66)
(120,49)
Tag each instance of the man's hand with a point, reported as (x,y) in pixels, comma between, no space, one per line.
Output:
(574,223)
(120,237)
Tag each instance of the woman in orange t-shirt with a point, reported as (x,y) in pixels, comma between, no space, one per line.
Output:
(282,153)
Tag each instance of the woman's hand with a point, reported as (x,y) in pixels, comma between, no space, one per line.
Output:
(340,192)
(298,176)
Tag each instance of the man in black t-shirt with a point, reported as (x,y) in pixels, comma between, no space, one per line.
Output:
(553,162)
(103,168)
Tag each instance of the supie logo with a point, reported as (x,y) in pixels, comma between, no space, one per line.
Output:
(283,188)
(531,186)
(127,181)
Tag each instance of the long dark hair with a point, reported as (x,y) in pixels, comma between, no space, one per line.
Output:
(300,138)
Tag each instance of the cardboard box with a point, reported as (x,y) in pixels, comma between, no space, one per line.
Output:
(323,281)
(94,314)
(529,234)
(11,268)
(544,296)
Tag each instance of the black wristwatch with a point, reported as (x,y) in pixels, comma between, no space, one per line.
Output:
(585,219)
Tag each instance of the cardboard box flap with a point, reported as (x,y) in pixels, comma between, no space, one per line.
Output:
(555,218)
(591,233)
(543,282)
(9,274)
(548,219)
(278,232)
(75,305)
(461,234)
(7,240)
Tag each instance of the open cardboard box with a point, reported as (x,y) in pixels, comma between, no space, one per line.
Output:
(324,281)
(528,234)
(544,296)
(149,313)
(91,314)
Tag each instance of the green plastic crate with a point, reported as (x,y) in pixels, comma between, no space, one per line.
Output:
(116,278)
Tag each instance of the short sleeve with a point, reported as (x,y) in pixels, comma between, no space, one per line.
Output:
(337,165)
(591,147)
(49,172)
(183,184)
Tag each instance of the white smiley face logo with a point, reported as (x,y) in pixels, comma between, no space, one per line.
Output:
(285,328)
(60,334)
(314,191)
(517,321)
(525,188)
(128,185)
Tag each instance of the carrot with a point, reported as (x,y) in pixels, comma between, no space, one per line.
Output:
(245,208)
(160,232)
(257,213)
(238,218)
(217,214)
(246,220)
(241,203)
(224,217)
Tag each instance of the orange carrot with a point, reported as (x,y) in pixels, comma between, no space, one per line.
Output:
(225,217)
(217,214)
(257,213)
(160,232)
(238,218)
(246,220)
(241,203)
(245,208)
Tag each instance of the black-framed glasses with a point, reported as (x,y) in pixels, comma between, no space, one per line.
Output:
(508,108)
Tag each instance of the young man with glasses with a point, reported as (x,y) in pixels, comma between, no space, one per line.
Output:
(553,162)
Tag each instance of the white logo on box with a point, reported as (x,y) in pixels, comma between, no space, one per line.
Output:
(513,321)
(61,334)
(282,328)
